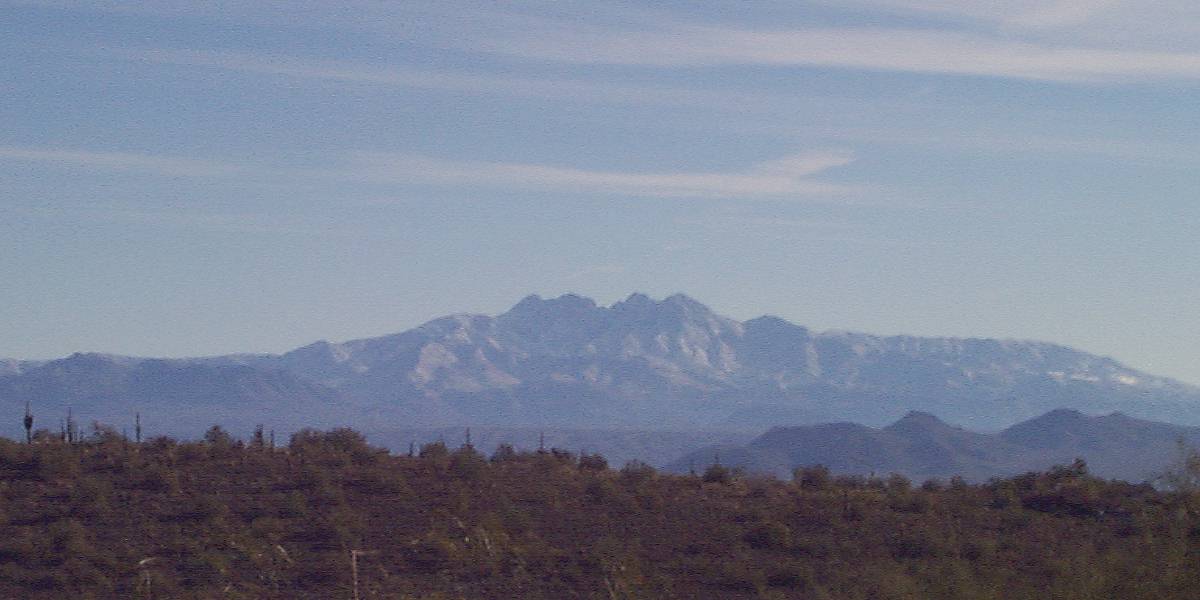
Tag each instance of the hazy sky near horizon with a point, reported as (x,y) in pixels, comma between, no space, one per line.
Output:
(184,178)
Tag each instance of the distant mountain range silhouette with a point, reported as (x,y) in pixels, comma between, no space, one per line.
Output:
(921,446)
(569,363)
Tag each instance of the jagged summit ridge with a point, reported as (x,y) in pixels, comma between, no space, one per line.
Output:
(670,363)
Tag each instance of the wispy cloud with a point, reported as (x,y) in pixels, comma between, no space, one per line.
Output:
(1035,14)
(1110,22)
(191,219)
(883,49)
(989,141)
(1059,13)
(1057,40)
(771,108)
(280,64)
(785,177)
(788,176)
(550,87)
(122,161)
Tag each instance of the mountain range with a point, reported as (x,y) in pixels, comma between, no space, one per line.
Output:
(566,362)
(921,446)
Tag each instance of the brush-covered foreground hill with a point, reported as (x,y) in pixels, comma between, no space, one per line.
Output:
(921,446)
(656,448)
(571,364)
(219,519)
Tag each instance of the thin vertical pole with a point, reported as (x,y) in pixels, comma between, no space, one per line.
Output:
(354,554)
(354,571)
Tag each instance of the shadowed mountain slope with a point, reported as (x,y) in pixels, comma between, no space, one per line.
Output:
(170,395)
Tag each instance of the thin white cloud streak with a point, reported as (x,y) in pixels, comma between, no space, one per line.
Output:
(474,83)
(1057,40)
(1058,14)
(774,108)
(781,178)
(990,142)
(1033,14)
(120,161)
(1163,24)
(882,49)
(233,223)
(788,176)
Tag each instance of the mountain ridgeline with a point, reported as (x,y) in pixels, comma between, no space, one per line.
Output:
(566,362)
(921,446)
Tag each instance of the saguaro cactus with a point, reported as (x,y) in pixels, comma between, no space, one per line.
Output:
(28,425)
(72,434)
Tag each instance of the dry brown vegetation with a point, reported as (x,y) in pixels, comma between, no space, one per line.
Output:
(107,518)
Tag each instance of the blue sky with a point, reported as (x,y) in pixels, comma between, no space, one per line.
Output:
(185,179)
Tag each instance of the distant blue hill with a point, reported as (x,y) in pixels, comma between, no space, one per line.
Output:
(921,446)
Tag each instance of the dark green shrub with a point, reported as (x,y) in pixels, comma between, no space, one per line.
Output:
(717,473)
(770,535)
(813,478)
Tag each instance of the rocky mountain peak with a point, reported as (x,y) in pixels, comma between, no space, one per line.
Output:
(568,320)
(671,362)
(916,420)
(685,302)
(635,300)
(534,306)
